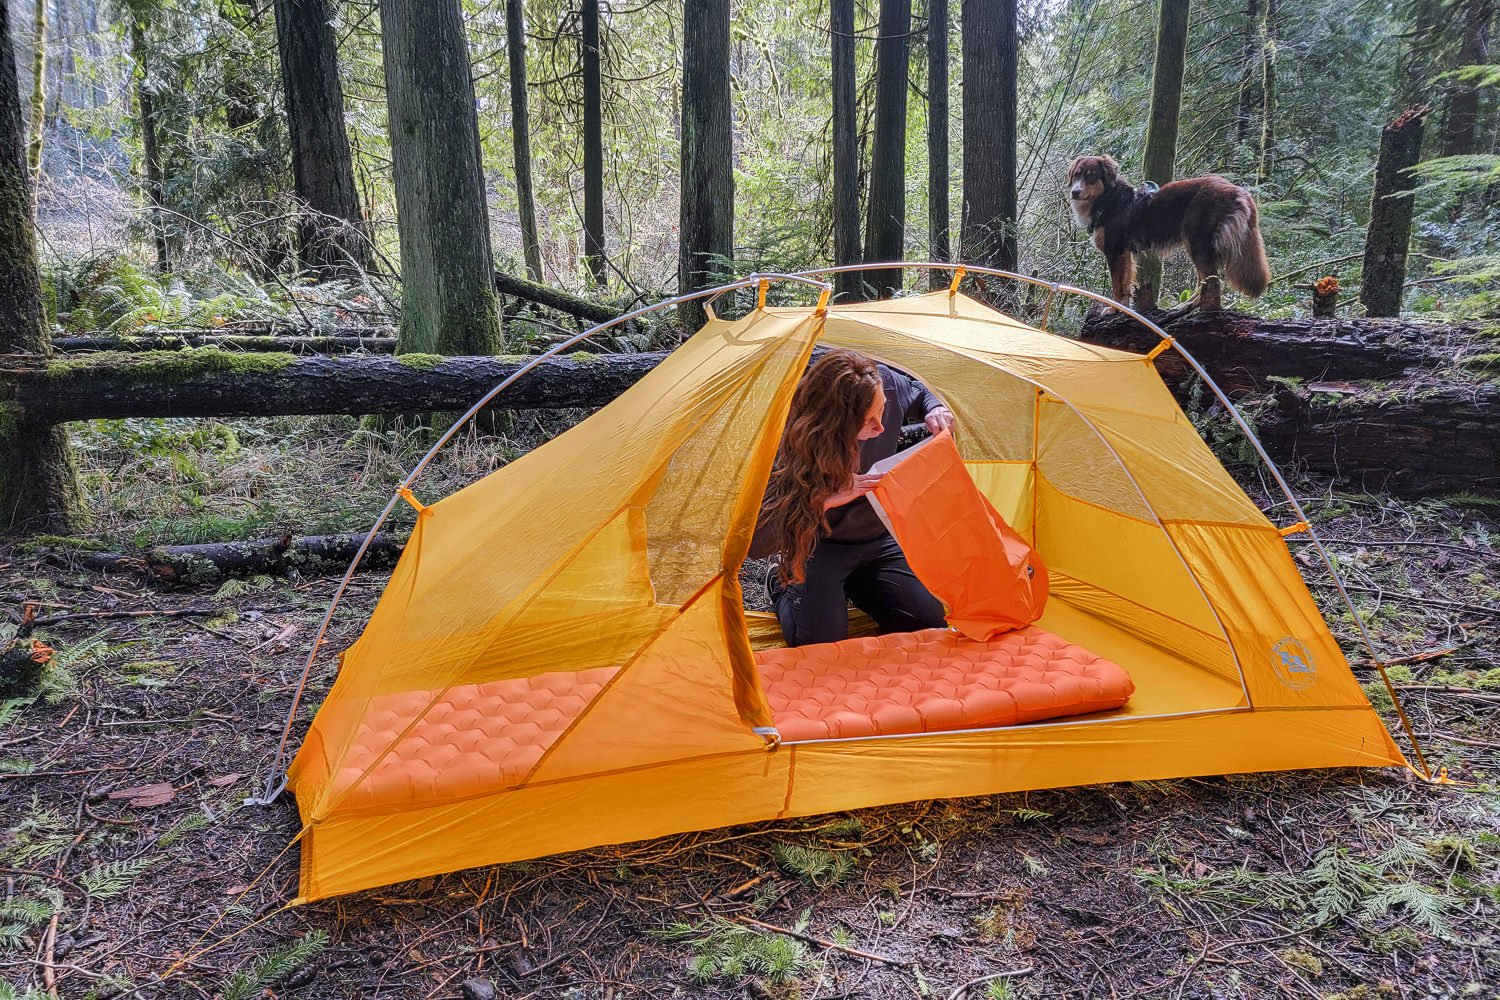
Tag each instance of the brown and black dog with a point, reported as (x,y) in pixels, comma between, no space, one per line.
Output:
(1216,220)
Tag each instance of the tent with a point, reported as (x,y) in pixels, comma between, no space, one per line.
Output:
(562,659)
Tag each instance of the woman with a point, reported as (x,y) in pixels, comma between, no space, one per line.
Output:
(829,545)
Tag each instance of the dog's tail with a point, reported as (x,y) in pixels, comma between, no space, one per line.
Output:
(1242,253)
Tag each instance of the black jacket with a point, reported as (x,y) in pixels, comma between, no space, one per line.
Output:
(907,401)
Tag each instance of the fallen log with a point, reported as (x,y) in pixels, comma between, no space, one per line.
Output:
(1415,438)
(214,383)
(553,298)
(1244,352)
(378,341)
(211,562)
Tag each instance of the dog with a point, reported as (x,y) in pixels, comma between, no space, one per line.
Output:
(1215,219)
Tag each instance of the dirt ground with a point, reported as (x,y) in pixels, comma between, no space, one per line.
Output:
(126,849)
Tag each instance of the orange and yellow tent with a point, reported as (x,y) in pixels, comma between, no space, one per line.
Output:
(562,658)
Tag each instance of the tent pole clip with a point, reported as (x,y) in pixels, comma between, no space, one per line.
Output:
(1160,349)
(1301,527)
(770,734)
(417,505)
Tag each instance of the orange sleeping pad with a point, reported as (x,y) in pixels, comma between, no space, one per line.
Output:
(481,738)
(958,545)
(934,681)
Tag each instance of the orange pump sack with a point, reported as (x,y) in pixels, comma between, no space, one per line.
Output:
(958,545)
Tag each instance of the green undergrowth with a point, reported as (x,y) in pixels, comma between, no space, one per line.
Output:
(158,367)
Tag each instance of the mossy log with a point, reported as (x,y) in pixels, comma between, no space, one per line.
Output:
(1244,352)
(1410,437)
(211,562)
(214,383)
(377,341)
(553,298)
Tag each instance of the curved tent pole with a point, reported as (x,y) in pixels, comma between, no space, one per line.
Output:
(1167,340)
(272,788)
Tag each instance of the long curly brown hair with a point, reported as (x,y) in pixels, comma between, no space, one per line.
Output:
(819,453)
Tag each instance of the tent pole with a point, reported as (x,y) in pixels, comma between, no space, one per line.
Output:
(273,788)
(1239,421)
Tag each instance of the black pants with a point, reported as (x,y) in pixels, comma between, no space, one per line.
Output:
(873,575)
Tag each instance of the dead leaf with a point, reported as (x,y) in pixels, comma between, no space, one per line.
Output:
(225,779)
(235,890)
(145,796)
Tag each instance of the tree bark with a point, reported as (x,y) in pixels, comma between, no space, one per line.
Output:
(1270,40)
(211,562)
(706,210)
(989,104)
(1461,123)
(846,245)
(38,484)
(1160,156)
(1250,97)
(885,210)
(937,139)
(593,144)
(520,130)
(151,151)
(38,95)
(1244,353)
(333,236)
(447,271)
(1391,205)
(209,383)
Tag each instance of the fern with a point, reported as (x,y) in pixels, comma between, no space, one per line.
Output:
(235,587)
(1338,884)
(112,878)
(192,821)
(813,865)
(274,967)
(1422,904)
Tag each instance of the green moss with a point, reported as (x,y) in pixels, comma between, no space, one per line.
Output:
(37,543)
(10,419)
(584,358)
(421,362)
(170,366)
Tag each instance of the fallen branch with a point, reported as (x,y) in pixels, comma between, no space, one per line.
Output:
(211,562)
(1008,974)
(553,298)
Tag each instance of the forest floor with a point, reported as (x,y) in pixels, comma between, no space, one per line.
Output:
(125,847)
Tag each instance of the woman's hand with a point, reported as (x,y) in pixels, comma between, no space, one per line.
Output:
(939,420)
(859,485)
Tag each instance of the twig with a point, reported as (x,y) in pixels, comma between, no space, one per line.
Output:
(49,977)
(984,979)
(1431,654)
(822,942)
(71,615)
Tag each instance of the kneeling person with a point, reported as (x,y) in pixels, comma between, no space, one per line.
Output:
(829,545)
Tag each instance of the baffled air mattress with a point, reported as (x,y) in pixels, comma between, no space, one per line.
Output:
(430,746)
(934,681)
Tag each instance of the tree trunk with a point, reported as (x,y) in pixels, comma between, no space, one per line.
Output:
(38,485)
(706,212)
(1418,67)
(1268,93)
(937,138)
(1462,121)
(593,144)
(846,247)
(1391,205)
(447,271)
(520,130)
(1160,157)
(885,210)
(332,232)
(382,342)
(1250,96)
(38,95)
(211,383)
(146,108)
(989,167)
